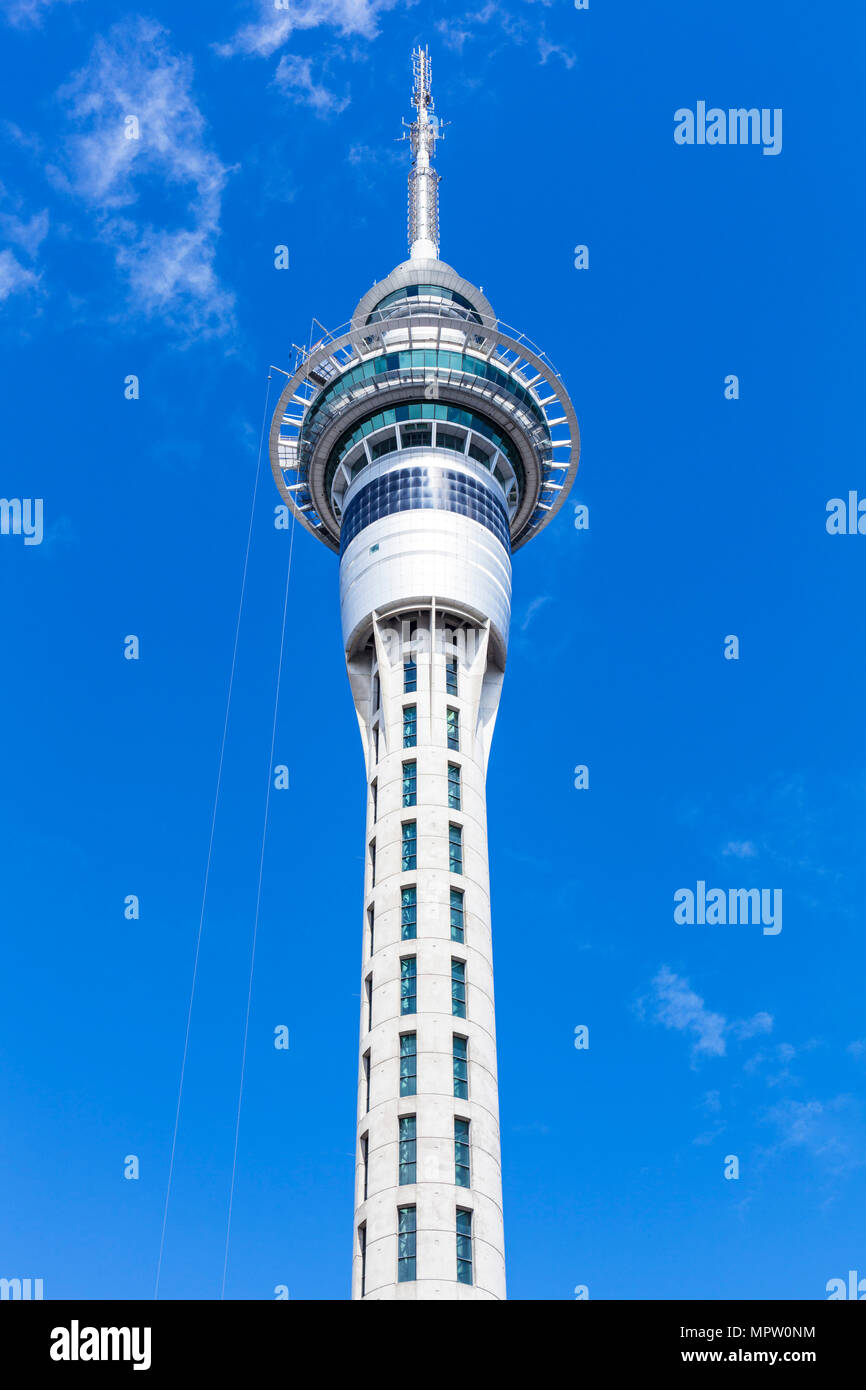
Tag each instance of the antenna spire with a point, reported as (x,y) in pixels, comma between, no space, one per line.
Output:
(424,131)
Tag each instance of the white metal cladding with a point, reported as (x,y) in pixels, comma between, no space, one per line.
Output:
(408,557)
(420,272)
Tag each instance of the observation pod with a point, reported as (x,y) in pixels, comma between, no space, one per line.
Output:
(424,442)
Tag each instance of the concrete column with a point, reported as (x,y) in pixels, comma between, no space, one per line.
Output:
(377,677)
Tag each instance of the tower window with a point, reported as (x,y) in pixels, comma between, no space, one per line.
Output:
(410,783)
(409,860)
(362,1251)
(458,988)
(408,1063)
(461,1153)
(374,794)
(366,1061)
(406,1237)
(408,985)
(460,1054)
(371,922)
(410,726)
(365,1154)
(372,863)
(410,676)
(408,913)
(368,986)
(464,1246)
(382,446)
(452,727)
(455,849)
(408,1149)
(451,669)
(446,440)
(416,436)
(453,787)
(457,914)
(479,455)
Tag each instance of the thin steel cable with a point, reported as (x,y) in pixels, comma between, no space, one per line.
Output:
(211,839)
(258,905)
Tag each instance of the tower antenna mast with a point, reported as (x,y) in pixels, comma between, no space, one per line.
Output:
(424,131)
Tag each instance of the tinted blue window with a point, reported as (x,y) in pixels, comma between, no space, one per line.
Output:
(410,489)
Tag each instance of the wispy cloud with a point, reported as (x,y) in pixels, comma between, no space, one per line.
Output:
(547,50)
(29,14)
(673,1004)
(24,236)
(740,849)
(773,1064)
(275,25)
(141,140)
(534,607)
(505,20)
(831,1131)
(294,76)
(14,277)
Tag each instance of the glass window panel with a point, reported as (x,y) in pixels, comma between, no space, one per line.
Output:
(461,1068)
(408,985)
(407,1150)
(455,849)
(464,1247)
(410,726)
(454,787)
(408,913)
(406,1237)
(452,729)
(457,922)
(408,1064)
(461,1153)
(410,784)
(458,988)
(409,861)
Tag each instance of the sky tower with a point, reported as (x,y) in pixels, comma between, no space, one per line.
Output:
(423,442)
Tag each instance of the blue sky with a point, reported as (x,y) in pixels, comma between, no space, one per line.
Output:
(707,518)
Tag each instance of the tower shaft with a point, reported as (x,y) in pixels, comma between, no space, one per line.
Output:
(428,1192)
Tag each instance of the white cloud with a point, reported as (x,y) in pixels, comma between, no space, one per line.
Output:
(741,849)
(677,1006)
(831,1131)
(170,269)
(29,14)
(26,235)
(554,50)
(14,277)
(452,37)
(745,1028)
(534,607)
(275,26)
(294,75)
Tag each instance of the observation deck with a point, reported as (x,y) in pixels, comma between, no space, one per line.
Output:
(424,362)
